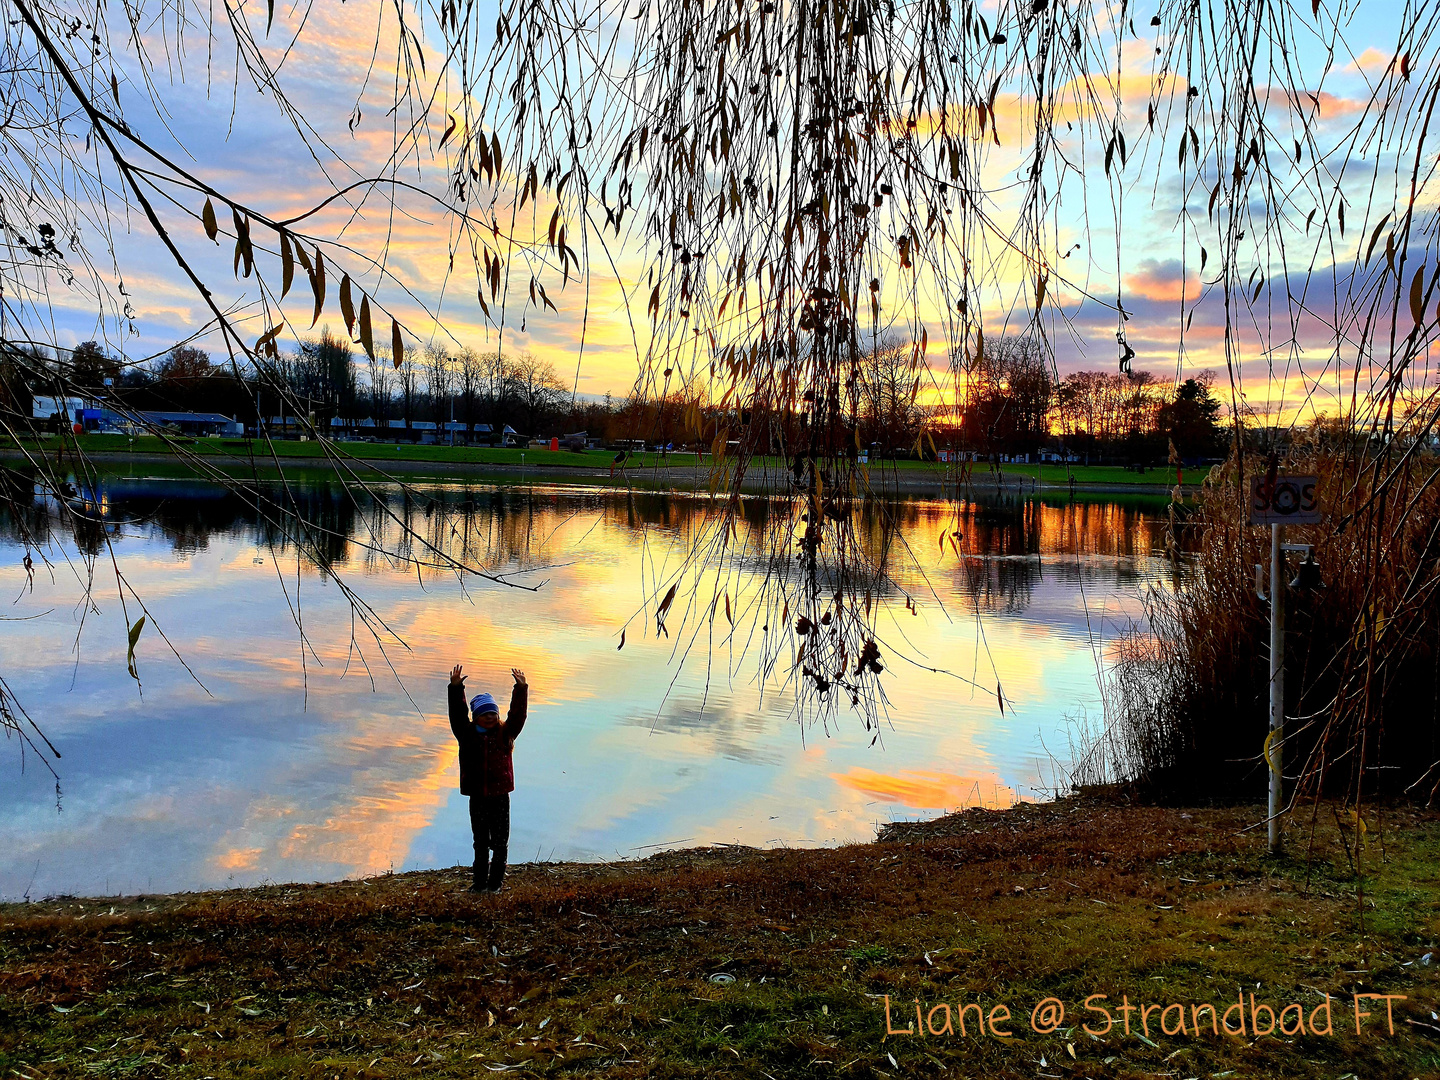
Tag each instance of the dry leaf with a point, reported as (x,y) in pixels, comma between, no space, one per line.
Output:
(317,285)
(287,264)
(130,652)
(347,305)
(367,339)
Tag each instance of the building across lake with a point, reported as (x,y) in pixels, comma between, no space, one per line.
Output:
(74,410)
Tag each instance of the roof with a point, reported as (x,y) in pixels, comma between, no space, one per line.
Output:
(185,418)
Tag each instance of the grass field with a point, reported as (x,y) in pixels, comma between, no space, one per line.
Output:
(285,448)
(1050,475)
(734,963)
(1059,475)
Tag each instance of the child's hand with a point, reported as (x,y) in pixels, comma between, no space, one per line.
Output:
(519,676)
(456,679)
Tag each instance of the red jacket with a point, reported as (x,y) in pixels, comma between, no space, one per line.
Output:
(485,764)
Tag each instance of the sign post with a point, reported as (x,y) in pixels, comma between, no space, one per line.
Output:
(1278,501)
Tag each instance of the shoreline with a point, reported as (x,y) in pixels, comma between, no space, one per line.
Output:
(997,823)
(733,962)
(892,483)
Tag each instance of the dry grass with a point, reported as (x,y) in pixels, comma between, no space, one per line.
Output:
(607,970)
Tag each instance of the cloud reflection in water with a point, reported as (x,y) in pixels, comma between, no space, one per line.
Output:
(315,765)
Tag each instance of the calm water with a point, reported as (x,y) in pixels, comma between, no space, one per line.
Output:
(285,759)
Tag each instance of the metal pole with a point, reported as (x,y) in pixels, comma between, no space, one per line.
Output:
(1273,744)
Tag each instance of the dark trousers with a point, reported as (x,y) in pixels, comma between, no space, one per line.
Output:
(490,824)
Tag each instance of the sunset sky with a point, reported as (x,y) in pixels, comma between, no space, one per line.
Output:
(236,139)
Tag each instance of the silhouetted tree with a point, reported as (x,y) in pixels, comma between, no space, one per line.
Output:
(1191,420)
(90,366)
(1009,391)
(184,364)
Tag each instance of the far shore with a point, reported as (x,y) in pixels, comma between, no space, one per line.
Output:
(913,479)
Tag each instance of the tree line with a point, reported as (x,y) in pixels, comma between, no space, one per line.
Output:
(1011,402)
(323,379)
(1014,404)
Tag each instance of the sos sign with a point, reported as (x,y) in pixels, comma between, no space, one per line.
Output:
(1286,500)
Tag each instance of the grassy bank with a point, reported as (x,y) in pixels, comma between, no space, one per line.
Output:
(288,449)
(1060,475)
(735,963)
(1049,475)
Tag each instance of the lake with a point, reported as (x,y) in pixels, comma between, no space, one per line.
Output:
(283,743)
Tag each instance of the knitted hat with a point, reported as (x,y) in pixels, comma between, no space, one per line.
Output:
(483,703)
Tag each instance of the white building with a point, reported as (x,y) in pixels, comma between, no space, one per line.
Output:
(45,407)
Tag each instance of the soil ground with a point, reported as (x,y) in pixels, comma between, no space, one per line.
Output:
(732,962)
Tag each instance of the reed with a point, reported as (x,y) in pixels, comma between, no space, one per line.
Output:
(1186,692)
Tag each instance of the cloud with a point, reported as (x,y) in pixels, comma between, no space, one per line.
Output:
(239,859)
(1371,60)
(1166,281)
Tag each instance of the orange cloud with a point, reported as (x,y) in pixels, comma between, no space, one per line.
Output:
(1371,59)
(239,859)
(1164,281)
(374,832)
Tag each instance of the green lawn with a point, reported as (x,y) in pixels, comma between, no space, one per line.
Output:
(1050,475)
(1104,474)
(388,451)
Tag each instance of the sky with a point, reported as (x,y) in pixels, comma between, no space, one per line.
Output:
(1123,235)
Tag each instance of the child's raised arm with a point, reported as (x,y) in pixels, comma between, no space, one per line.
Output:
(519,701)
(459,709)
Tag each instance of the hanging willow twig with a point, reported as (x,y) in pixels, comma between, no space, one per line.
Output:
(809,179)
(783,188)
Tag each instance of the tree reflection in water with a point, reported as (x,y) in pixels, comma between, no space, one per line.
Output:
(991,552)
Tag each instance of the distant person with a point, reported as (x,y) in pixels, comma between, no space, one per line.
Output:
(487,773)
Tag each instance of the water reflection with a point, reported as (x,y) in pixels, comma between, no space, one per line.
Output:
(500,526)
(330,756)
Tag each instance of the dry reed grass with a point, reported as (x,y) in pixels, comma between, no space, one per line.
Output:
(1187,695)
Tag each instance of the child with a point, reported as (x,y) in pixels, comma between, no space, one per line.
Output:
(487,773)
